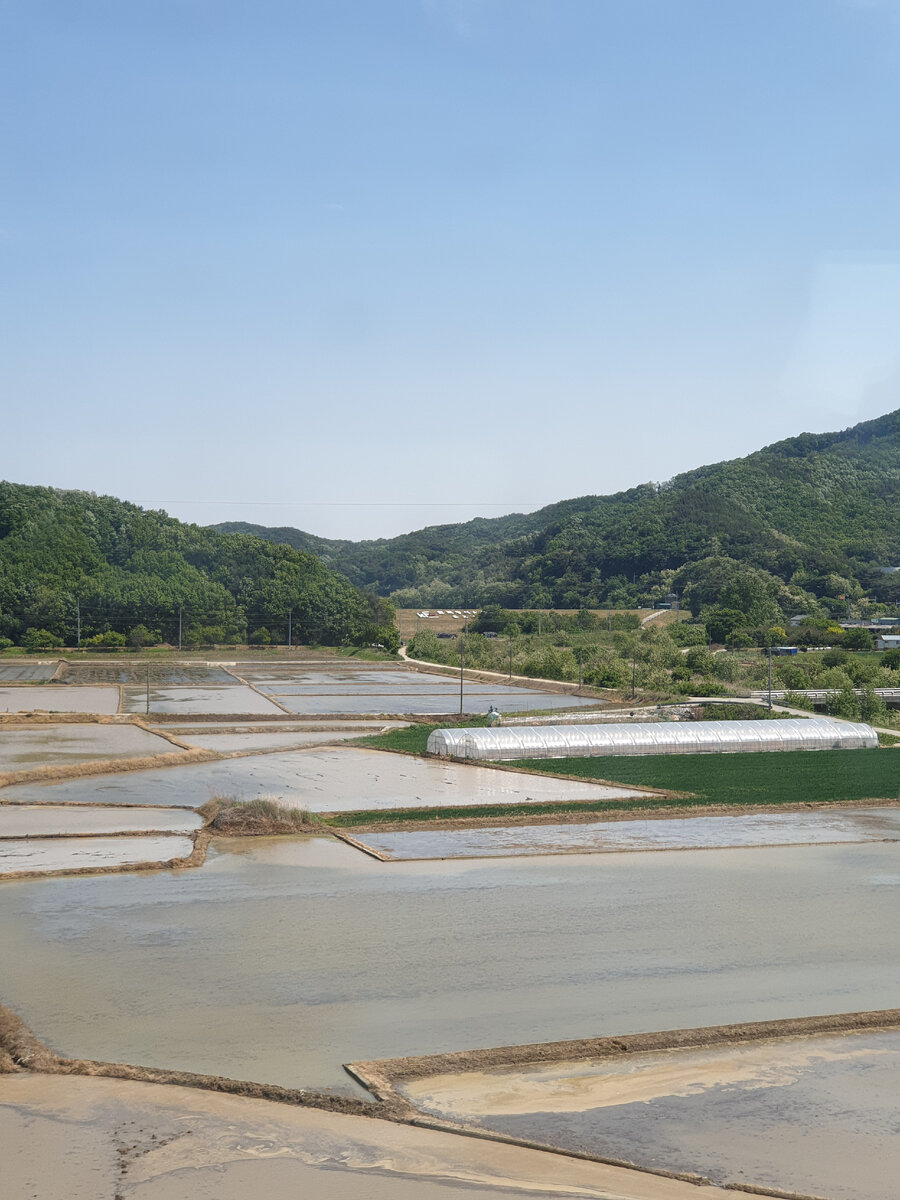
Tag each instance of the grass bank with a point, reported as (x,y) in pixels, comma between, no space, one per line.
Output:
(776,777)
(414,738)
(472,813)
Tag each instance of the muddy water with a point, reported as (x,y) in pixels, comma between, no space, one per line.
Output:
(94,1139)
(65,854)
(280,960)
(33,820)
(60,699)
(814,1115)
(328,780)
(200,700)
(750,829)
(47,744)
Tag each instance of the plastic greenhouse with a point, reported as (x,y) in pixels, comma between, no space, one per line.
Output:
(664,737)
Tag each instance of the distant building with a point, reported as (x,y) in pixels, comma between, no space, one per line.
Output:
(888,641)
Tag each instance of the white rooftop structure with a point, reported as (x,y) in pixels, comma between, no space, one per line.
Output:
(663,737)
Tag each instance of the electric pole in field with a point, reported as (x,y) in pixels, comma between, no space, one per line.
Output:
(77,623)
(461,653)
(770,678)
(179,626)
(290,631)
(147,709)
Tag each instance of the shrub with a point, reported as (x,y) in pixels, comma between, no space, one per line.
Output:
(110,639)
(142,636)
(843,704)
(857,639)
(835,658)
(40,639)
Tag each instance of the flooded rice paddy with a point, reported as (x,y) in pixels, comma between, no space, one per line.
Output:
(200,700)
(44,820)
(29,672)
(160,673)
(88,853)
(280,960)
(690,833)
(815,1115)
(424,704)
(43,745)
(342,779)
(104,700)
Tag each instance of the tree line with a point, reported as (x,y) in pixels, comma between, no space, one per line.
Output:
(77,566)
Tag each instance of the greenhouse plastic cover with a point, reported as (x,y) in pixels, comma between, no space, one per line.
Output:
(663,737)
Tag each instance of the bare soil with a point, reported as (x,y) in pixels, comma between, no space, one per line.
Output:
(380,1076)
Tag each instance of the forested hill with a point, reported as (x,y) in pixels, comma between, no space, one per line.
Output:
(816,514)
(65,553)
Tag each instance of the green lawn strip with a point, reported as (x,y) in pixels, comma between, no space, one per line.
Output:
(413,739)
(776,777)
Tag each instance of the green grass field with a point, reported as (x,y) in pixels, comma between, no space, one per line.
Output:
(413,739)
(779,777)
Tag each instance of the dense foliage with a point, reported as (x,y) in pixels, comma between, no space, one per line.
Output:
(665,661)
(127,572)
(802,525)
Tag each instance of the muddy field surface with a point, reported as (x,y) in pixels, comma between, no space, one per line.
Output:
(104,1139)
(341,779)
(88,853)
(44,745)
(40,820)
(691,833)
(11,672)
(812,1115)
(103,700)
(161,673)
(281,960)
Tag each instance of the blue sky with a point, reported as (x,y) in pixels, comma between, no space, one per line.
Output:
(361,267)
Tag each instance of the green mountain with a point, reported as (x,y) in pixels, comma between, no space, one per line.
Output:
(67,553)
(812,519)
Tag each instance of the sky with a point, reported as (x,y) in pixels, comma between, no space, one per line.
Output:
(361,266)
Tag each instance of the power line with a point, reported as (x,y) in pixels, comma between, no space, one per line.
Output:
(360,503)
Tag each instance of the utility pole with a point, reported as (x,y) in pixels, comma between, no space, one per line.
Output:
(510,658)
(147,710)
(770,678)
(461,653)
(179,626)
(633,672)
(580,675)
(290,618)
(77,623)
